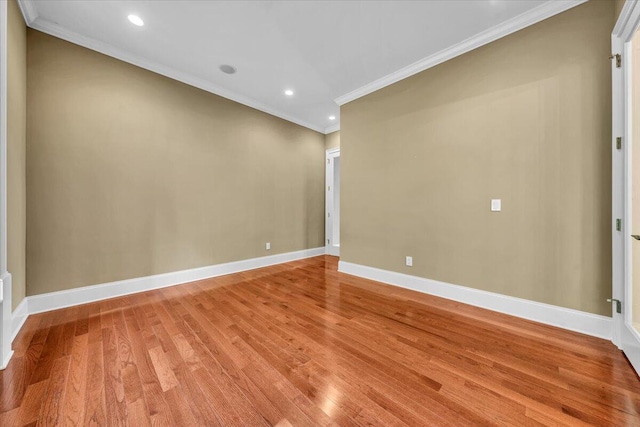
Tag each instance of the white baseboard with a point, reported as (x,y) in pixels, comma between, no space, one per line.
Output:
(86,294)
(6,360)
(332,250)
(566,318)
(18,317)
(67,298)
(5,313)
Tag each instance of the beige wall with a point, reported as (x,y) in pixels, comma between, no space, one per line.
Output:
(526,119)
(16,146)
(131,174)
(332,140)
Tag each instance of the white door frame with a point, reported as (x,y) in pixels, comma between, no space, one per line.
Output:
(331,249)
(5,277)
(623,334)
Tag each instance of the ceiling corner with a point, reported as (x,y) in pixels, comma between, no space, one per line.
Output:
(55,30)
(533,16)
(29,11)
(332,129)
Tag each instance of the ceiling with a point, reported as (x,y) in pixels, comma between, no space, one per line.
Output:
(327,52)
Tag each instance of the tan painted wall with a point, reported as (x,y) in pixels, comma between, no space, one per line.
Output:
(526,119)
(332,140)
(131,174)
(16,148)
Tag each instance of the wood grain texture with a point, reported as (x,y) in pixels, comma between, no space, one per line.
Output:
(300,344)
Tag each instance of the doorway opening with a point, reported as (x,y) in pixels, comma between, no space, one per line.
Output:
(332,202)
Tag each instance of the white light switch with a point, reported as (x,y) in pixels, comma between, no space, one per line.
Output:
(496,205)
(409,261)
(268,246)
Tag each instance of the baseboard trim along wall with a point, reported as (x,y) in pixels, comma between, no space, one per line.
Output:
(18,317)
(566,318)
(68,298)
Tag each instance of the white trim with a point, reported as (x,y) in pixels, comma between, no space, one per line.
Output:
(68,298)
(3,137)
(28,10)
(624,334)
(333,250)
(540,13)
(332,129)
(630,344)
(331,154)
(6,319)
(627,23)
(5,277)
(71,297)
(566,318)
(56,30)
(18,317)
(618,171)
(618,241)
(6,360)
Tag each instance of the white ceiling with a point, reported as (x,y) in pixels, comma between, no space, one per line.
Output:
(323,50)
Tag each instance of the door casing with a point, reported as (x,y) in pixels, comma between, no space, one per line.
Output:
(623,334)
(331,248)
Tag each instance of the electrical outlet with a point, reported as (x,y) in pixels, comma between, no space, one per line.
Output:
(408,261)
(496,205)
(268,246)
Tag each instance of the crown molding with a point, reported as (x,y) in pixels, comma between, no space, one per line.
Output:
(524,20)
(626,25)
(332,129)
(29,11)
(56,30)
(540,13)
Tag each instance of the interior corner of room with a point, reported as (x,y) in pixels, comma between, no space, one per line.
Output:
(120,179)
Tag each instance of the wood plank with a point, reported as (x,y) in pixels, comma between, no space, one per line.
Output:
(73,411)
(161,365)
(95,403)
(53,404)
(302,344)
(116,404)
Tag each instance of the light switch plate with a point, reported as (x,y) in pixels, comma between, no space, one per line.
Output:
(409,261)
(268,246)
(496,205)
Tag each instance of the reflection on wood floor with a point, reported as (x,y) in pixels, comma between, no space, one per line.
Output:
(301,344)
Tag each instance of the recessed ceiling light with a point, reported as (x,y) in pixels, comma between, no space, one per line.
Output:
(228,69)
(136,20)
(332,117)
(288,92)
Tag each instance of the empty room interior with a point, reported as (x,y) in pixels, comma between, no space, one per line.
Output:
(320,213)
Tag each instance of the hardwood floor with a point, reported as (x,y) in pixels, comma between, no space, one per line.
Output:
(300,344)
